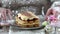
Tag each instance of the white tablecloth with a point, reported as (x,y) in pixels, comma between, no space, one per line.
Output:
(27,32)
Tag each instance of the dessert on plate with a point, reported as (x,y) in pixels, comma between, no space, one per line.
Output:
(27,19)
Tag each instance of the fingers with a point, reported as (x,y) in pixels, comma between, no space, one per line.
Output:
(9,13)
(5,12)
(49,11)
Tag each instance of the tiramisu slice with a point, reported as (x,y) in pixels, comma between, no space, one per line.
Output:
(27,19)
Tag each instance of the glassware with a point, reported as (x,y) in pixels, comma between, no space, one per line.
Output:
(49,29)
(43,11)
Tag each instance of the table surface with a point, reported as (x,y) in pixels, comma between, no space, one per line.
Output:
(27,31)
(24,32)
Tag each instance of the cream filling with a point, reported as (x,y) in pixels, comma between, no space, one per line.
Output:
(23,17)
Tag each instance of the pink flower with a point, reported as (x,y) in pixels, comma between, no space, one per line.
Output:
(52,18)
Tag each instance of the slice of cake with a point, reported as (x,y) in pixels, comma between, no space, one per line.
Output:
(27,19)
